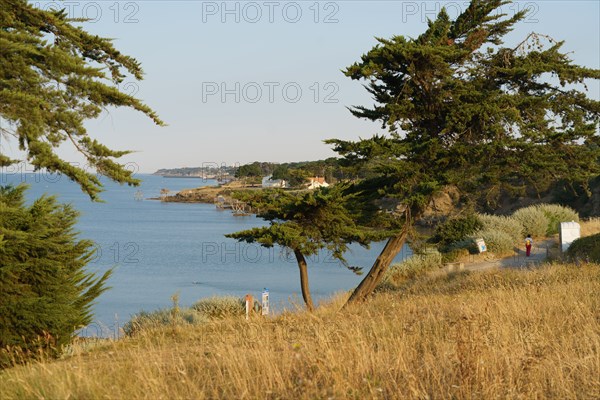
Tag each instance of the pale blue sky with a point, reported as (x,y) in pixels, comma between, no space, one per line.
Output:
(191,50)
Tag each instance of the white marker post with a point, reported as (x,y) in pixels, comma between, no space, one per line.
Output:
(265,302)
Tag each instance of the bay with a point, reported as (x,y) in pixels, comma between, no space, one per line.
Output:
(157,250)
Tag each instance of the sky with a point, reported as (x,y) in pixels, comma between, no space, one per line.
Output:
(244,81)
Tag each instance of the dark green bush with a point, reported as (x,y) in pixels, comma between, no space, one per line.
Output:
(45,292)
(586,248)
(455,229)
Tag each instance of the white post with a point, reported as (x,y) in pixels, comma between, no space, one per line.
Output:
(265,302)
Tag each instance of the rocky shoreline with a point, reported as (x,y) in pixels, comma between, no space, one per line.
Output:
(206,194)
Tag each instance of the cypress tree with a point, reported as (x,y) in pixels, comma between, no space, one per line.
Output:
(466,111)
(53,77)
(45,292)
(306,222)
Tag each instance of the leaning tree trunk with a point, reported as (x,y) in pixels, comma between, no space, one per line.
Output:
(379,268)
(304,280)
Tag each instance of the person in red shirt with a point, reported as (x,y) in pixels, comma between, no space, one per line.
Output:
(528,244)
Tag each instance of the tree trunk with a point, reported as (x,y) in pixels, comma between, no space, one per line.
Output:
(379,268)
(304,280)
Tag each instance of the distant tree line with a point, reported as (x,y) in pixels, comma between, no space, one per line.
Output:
(295,173)
(209,169)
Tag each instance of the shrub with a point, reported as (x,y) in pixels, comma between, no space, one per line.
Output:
(496,241)
(200,313)
(45,292)
(164,317)
(586,248)
(456,229)
(557,214)
(467,244)
(220,307)
(453,254)
(533,220)
(508,225)
(416,266)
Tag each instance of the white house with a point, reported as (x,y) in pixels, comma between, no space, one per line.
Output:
(316,182)
(267,182)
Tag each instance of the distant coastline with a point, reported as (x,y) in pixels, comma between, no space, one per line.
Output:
(186,176)
(206,172)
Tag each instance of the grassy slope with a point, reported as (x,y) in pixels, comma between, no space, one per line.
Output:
(501,334)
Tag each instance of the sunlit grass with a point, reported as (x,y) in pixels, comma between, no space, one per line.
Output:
(499,334)
(590,227)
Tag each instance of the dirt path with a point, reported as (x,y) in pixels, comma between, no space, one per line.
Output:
(539,253)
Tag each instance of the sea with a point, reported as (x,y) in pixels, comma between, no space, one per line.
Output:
(158,250)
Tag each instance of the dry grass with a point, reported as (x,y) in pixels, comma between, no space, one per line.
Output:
(590,227)
(501,334)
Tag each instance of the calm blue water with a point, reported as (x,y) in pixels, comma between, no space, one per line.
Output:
(159,249)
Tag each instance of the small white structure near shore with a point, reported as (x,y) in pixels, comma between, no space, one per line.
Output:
(267,182)
(568,233)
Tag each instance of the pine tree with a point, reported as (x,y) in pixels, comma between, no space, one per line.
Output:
(53,77)
(306,222)
(463,110)
(45,292)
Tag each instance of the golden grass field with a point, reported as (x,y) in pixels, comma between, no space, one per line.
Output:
(516,334)
(590,226)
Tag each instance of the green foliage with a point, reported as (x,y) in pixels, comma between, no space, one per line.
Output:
(501,233)
(578,197)
(200,313)
(456,252)
(53,77)
(533,220)
(221,307)
(506,224)
(457,235)
(498,242)
(585,249)
(557,214)
(144,320)
(294,177)
(464,110)
(45,292)
(456,229)
(296,173)
(251,170)
(306,221)
(281,172)
(466,244)
(297,177)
